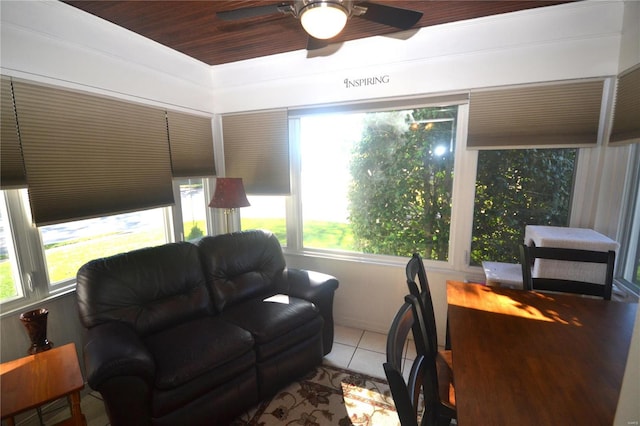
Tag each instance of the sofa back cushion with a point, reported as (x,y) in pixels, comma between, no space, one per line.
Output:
(150,289)
(241,265)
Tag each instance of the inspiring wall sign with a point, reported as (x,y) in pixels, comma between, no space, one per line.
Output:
(367,81)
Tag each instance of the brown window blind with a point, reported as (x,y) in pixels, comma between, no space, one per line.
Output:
(256,149)
(626,113)
(191,144)
(549,115)
(11,164)
(89,156)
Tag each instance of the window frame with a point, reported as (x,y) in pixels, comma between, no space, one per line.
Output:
(29,252)
(176,221)
(582,210)
(294,209)
(12,250)
(629,230)
(30,256)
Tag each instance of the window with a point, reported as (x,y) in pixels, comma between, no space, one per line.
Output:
(266,212)
(515,188)
(124,189)
(70,245)
(37,262)
(628,261)
(194,205)
(10,287)
(378,182)
(326,142)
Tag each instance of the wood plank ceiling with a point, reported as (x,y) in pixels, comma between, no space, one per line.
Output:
(191,27)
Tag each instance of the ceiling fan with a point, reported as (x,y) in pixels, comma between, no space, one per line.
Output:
(325,19)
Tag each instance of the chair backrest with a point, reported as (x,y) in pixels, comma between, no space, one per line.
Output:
(422,379)
(528,255)
(415,269)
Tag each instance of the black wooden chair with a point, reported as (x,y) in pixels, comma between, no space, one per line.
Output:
(528,255)
(427,397)
(415,269)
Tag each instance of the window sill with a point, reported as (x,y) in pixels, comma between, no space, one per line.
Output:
(23,305)
(471,273)
(632,292)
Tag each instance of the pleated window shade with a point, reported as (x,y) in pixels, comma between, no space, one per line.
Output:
(88,156)
(11,165)
(191,144)
(626,113)
(536,116)
(256,149)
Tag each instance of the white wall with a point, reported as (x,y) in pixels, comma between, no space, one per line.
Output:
(52,42)
(630,44)
(617,160)
(370,294)
(63,326)
(564,42)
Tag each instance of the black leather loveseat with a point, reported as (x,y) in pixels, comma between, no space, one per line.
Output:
(194,334)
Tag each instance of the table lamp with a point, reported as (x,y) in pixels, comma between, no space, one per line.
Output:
(229,195)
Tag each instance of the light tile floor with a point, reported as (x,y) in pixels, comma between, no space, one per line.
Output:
(358,350)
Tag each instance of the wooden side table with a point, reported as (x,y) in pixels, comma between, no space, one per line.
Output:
(34,380)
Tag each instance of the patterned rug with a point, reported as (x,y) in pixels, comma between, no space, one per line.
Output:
(327,396)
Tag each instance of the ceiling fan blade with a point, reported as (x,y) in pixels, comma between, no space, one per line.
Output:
(389,15)
(249,12)
(316,43)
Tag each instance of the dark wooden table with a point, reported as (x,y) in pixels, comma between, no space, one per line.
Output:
(526,358)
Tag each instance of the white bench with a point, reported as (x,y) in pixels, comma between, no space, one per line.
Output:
(502,274)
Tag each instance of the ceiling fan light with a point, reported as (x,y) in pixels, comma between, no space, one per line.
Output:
(323,20)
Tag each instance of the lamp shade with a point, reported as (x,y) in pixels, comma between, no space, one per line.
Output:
(323,20)
(229,194)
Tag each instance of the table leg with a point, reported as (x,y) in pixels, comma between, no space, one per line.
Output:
(76,412)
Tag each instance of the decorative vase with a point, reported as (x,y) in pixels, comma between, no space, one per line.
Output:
(36,324)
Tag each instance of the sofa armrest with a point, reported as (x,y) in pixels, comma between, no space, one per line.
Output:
(315,287)
(305,284)
(114,349)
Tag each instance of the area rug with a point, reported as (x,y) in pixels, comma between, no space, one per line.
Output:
(327,396)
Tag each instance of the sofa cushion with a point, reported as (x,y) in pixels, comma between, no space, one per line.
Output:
(213,406)
(191,349)
(241,265)
(277,322)
(150,289)
(284,366)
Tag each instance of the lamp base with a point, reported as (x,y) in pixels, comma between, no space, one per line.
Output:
(228,219)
